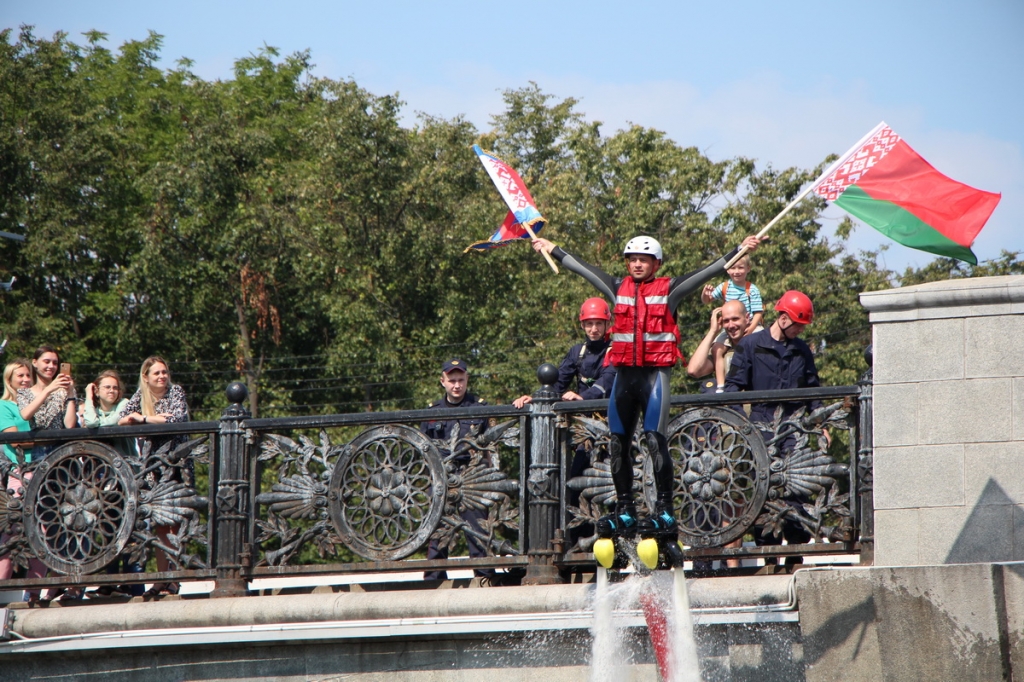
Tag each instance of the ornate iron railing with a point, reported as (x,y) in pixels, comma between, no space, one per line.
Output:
(243,498)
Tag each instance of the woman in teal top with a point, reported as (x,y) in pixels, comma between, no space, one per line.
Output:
(104,400)
(17,375)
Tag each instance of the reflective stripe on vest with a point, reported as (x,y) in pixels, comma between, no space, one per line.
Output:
(656,300)
(625,300)
(628,338)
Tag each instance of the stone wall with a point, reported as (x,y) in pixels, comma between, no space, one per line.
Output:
(927,623)
(949,421)
(744,629)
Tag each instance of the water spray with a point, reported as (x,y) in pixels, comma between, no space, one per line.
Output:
(669,623)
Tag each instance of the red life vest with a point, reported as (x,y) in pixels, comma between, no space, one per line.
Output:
(645,332)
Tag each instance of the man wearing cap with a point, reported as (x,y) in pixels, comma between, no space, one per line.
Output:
(455,380)
(645,346)
(774,359)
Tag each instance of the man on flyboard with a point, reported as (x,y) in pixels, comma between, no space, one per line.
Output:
(645,346)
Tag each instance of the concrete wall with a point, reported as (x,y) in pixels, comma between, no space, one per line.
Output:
(747,653)
(923,623)
(949,421)
(511,633)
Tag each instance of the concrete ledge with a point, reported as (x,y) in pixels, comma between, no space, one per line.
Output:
(56,621)
(974,297)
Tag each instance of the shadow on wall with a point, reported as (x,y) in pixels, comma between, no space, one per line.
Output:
(856,621)
(987,535)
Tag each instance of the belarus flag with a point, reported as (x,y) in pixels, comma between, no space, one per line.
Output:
(886,184)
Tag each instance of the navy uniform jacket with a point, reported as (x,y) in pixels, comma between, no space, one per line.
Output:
(760,363)
(593,379)
(442,429)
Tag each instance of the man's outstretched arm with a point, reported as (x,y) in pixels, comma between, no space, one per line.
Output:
(601,280)
(689,283)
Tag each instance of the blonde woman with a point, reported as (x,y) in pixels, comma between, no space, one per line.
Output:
(17,376)
(159,401)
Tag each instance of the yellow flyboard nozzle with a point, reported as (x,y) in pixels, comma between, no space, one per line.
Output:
(604,552)
(647,550)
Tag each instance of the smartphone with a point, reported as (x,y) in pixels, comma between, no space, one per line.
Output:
(65,368)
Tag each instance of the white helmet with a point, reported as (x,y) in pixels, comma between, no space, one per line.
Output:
(647,246)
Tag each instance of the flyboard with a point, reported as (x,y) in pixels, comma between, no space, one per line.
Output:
(646,554)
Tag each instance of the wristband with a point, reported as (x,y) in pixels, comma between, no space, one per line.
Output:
(144,419)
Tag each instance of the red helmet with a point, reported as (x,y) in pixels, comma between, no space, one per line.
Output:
(797,306)
(595,309)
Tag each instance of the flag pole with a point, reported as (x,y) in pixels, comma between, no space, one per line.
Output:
(810,188)
(547,256)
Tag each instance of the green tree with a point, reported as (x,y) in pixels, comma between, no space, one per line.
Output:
(291,231)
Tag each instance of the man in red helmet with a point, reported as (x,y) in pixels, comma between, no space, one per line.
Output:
(775,358)
(645,346)
(585,361)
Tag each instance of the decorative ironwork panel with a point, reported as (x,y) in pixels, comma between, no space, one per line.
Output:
(387,492)
(721,475)
(13,540)
(730,475)
(801,470)
(85,504)
(475,482)
(81,505)
(168,500)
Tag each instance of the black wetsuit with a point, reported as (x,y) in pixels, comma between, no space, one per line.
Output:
(637,389)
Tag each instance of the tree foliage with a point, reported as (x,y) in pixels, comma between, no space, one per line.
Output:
(290,231)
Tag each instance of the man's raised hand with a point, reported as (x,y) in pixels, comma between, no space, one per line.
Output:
(751,243)
(543,246)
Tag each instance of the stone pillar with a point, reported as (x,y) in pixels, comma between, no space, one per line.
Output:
(543,482)
(231,477)
(949,421)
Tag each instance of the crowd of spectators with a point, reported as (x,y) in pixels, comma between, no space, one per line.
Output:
(40,394)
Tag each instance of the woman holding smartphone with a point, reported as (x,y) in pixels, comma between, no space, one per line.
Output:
(50,402)
(158,401)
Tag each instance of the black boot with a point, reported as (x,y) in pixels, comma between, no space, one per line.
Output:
(621,523)
(662,523)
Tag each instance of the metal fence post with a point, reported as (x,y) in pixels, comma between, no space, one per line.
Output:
(543,482)
(231,506)
(865,465)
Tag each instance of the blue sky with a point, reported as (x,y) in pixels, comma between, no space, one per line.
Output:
(783,82)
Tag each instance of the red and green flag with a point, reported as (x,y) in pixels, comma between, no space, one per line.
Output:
(886,184)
